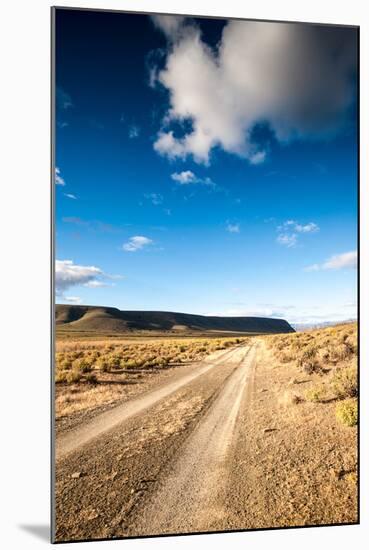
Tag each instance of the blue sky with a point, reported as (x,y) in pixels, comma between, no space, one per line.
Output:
(206,166)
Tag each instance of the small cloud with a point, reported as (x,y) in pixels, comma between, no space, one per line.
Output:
(73,300)
(286,239)
(257,158)
(187,177)
(184,177)
(58,178)
(62,124)
(75,220)
(167,211)
(291,229)
(96,284)
(313,267)
(347,260)
(233,227)
(70,196)
(133,132)
(155,198)
(63,100)
(136,243)
(68,274)
(308,228)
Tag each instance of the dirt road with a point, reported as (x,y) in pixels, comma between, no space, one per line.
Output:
(156,464)
(190,497)
(217,446)
(78,437)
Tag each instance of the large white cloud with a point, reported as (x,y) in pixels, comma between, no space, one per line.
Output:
(297,78)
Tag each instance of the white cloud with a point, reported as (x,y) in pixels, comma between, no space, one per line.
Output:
(96,284)
(347,260)
(293,225)
(58,178)
(255,311)
(313,267)
(133,132)
(155,198)
(70,196)
(259,71)
(73,300)
(136,243)
(63,100)
(169,24)
(289,232)
(308,228)
(287,239)
(186,177)
(342,261)
(68,274)
(233,227)
(257,158)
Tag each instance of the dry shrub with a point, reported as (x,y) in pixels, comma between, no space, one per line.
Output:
(80,358)
(315,395)
(347,412)
(91,378)
(345,382)
(82,365)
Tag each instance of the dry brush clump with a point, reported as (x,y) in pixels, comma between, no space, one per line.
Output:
(91,373)
(113,356)
(328,355)
(347,412)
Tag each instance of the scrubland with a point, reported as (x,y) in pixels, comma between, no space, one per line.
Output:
(329,357)
(94,373)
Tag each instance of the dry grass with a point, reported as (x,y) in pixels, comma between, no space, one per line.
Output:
(328,359)
(93,373)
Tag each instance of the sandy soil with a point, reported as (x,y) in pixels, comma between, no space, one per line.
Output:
(226,448)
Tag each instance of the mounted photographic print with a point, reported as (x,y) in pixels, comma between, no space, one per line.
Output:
(205,236)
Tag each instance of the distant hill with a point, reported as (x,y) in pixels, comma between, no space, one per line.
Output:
(300,327)
(94,318)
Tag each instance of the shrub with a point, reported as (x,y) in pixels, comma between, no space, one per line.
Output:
(73,376)
(309,365)
(114,361)
(91,378)
(83,365)
(315,395)
(347,412)
(60,377)
(103,365)
(345,382)
(65,364)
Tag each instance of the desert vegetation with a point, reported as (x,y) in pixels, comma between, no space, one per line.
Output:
(328,357)
(92,373)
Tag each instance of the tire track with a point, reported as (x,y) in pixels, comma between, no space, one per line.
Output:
(189,497)
(72,440)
